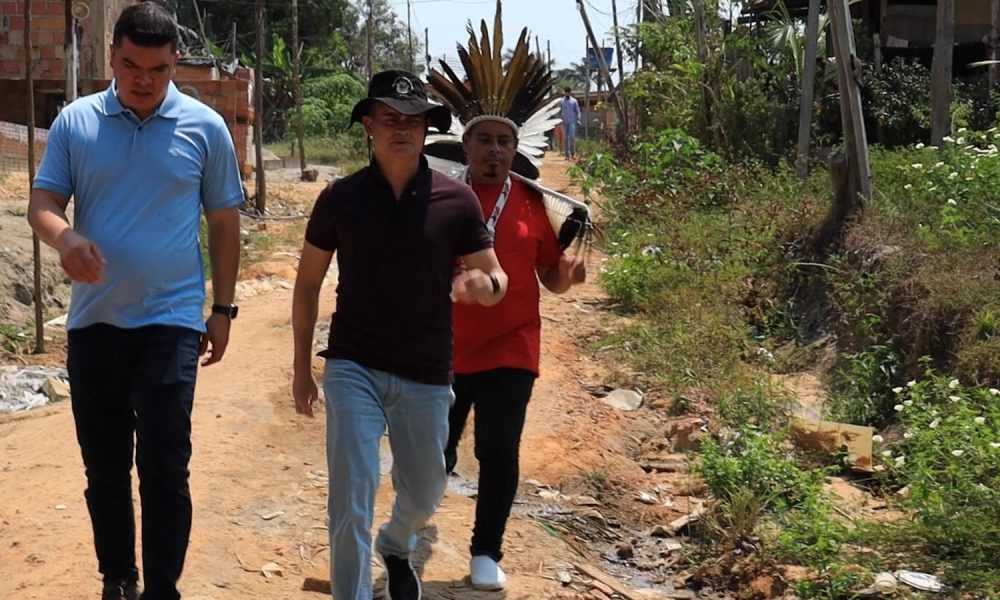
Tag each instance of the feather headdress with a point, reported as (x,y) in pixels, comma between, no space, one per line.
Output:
(516,95)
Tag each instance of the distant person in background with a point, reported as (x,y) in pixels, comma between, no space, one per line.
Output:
(141,161)
(569,112)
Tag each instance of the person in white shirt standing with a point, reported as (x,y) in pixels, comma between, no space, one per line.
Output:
(569,112)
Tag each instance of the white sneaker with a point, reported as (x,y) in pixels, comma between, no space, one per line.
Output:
(486,574)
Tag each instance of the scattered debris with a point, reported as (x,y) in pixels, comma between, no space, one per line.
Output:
(920,581)
(647,498)
(627,400)
(21,387)
(57,390)
(272,515)
(564,577)
(271,569)
(831,437)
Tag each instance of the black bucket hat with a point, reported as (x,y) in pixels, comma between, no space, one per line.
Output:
(402,91)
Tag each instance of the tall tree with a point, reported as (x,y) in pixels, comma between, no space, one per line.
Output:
(390,42)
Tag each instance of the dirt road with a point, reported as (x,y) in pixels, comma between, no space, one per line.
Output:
(258,472)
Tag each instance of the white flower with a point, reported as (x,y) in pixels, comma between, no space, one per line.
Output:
(952,202)
(952,175)
(957,452)
(953,383)
(954,398)
(911,383)
(994,392)
(898,408)
(907,435)
(880,467)
(907,402)
(900,461)
(919,146)
(908,186)
(897,390)
(994,445)
(887,453)
(917,165)
(933,424)
(962,129)
(948,138)
(939,164)
(877,439)
(980,420)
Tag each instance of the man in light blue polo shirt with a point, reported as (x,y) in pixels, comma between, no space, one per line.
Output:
(141,161)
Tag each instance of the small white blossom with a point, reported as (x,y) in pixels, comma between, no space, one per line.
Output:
(911,383)
(994,445)
(919,146)
(907,435)
(877,439)
(897,390)
(907,402)
(980,420)
(962,129)
(952,202)
(887,453)
(948,138)
(898,408)
(908,186)
(954,398)
(880,467)
(900,461)
(952,175)
(953,383)
(933,424)
(957,452)
(917,165)
(939,164)
(994,392)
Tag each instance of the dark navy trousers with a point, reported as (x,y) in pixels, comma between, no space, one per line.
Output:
(132,394)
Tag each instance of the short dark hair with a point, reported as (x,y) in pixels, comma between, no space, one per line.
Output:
(147,24)
(567,89)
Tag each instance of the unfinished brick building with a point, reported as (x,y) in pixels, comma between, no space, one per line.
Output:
(51,23)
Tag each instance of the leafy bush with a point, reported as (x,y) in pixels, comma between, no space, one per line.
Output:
(948,460)
(332,98)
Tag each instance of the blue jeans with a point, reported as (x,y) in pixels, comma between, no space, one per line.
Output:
(569,139)
(360,404)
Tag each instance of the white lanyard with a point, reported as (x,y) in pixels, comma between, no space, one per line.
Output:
(491,223)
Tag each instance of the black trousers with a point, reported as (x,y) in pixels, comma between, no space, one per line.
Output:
(133,389)
(500,398)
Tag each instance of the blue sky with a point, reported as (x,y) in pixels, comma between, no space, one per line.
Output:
(555,21)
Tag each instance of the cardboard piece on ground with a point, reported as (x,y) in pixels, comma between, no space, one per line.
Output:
(831,437)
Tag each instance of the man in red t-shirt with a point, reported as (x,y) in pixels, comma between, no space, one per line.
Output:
(497,348)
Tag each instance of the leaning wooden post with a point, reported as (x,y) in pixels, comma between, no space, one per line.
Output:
(941,72)
(258,109)
(848,71)
(36,245)
(994,39)
(808,89)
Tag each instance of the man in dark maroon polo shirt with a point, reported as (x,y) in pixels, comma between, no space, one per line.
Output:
(397,229)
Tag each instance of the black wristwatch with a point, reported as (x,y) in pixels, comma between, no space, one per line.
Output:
(230,310)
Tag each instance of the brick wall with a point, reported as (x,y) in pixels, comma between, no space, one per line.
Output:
(14,147)
(48,38)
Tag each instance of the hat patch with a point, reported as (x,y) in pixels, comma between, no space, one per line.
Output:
(402,86)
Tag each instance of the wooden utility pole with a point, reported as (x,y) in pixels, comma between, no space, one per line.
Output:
(369,61)
(944,43)
(994,40)
(427,48)
(808,89)
(848,70)
(706,96)
(297,83)
(71,53)
(548,52)
(36,245)
(232,43)
(602,65)
(409,37)
(586,90)
(618,43)
(258,109)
